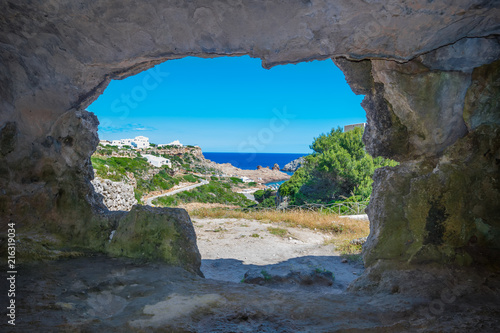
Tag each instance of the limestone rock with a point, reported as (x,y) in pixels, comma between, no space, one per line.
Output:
(165,234)
(276,167)
(452,221)
(428,70)
(280,276)
(294,165)
(116,195)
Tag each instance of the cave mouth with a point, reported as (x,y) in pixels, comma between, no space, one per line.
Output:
(240,100)
(229,104)
(430,73)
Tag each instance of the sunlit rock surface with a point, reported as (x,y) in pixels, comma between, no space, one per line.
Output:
(429,71)
(116,195)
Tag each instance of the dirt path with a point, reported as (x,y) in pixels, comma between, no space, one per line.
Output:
(232,247)
(149,201)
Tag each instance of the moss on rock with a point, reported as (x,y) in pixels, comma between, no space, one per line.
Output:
(165,234)
(446,212)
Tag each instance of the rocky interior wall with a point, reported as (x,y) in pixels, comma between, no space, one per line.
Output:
(430,77)
(438,115)
(115,195)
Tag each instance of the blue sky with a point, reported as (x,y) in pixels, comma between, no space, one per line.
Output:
(229,104)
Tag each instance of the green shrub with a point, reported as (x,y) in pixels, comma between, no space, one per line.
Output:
(190,178)
(214,192)
(277,231)
(116,168)
(261,195)
(236,180)
(268,203)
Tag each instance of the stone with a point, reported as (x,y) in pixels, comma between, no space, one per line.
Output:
(276,167)
(165,234)
(282,276)
(428,70)
(116,195)
(294,165)
(358,241)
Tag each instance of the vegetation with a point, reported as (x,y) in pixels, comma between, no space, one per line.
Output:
(119,169)
(277,231)
(340,230)
(116,168)
(339,168)
(236,180)
(265,198)
(261,195)
(214,192)
(315,220)
(340,183)
(190,178)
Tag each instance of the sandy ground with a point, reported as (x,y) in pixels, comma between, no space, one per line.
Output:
(103,294)
(231,247)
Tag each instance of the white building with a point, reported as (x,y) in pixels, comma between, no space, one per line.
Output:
(175,143)
(137,142)
(104,142)
(348,128)
(157,161)
(246,179)
(140,142)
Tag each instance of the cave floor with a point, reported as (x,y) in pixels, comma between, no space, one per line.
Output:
(103,294)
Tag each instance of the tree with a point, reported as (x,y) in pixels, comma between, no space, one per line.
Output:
(338,168)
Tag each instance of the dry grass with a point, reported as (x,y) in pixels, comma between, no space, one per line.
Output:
(340,230)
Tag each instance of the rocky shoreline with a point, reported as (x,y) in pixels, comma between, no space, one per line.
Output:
(294,165)
(262,175)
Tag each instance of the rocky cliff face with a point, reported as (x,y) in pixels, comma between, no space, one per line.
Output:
(115,195)
(429,71)
(294,165)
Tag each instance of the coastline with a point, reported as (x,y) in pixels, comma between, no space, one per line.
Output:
(262,176)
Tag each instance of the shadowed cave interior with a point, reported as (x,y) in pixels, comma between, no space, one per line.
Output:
(429,72)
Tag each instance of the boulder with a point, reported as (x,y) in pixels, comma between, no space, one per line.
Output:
(281,276)
(165,234)
(294,165)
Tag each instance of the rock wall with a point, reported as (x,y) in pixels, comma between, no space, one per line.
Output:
(440,205)
(294,165)
(116,195)
(429,71)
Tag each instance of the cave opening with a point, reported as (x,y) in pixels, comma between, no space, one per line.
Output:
(228,110)
(430,73)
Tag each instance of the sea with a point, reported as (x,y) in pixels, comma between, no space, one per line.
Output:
(250,161)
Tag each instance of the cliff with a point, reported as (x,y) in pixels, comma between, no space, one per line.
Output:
(294,165)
